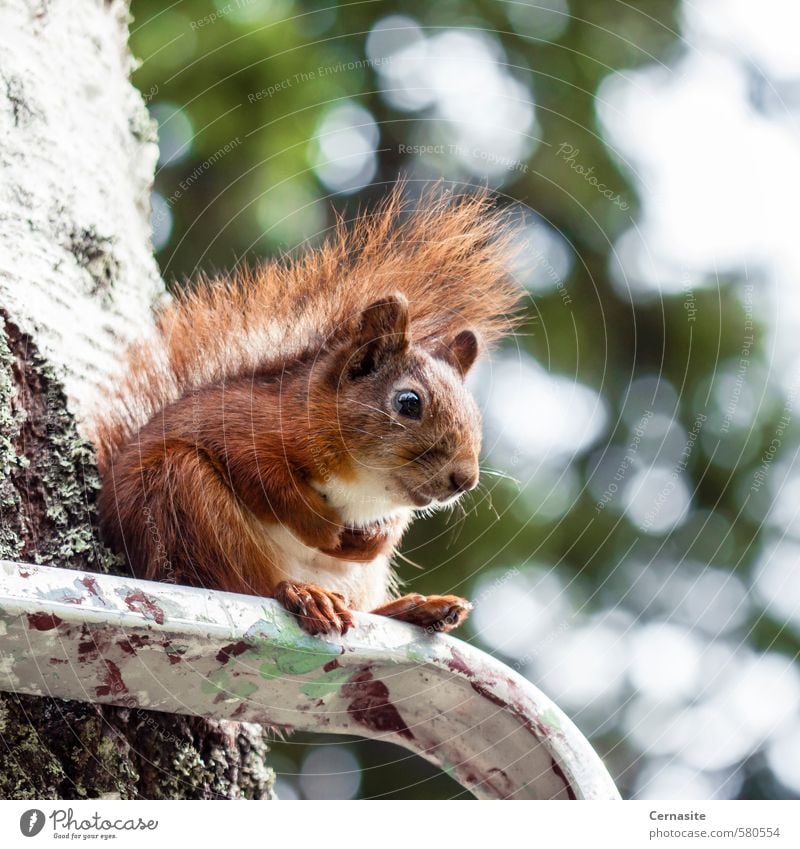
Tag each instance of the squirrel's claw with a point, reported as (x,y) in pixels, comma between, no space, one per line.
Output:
(440,613)
(317,611)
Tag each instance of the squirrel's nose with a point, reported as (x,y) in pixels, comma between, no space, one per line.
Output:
(463,480)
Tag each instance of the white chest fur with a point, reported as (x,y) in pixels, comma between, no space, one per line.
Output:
(358,502)
(365,499)
(363,585)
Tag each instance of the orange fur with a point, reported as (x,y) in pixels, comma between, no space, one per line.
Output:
(449,257)
(264,401)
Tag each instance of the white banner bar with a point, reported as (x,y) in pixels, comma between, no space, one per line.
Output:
(390,824)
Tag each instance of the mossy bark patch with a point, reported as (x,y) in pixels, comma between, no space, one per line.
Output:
(52,749)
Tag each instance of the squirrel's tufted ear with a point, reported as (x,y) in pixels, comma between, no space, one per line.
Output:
(461,351)
(381,331)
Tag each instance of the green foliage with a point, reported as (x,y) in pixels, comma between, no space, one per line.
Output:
(250,83)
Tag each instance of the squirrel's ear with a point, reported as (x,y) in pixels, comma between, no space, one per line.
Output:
(461,351)
(381,331)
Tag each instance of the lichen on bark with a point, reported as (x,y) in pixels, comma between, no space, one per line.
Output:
(49,478)
(57,749)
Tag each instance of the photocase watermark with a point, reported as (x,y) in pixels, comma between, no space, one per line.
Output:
(677,471)
(480,598)
(194,176)
(762,472)
(748,340)
(545,642)
(570,155)
(488,591)
(32,822)
(162,733)
(626,462)
(688,298)
(149,95)
(53,400)
(201,169)
(551,272)
(65,826)
(219,14)
(506,162)
(302,77)
(162,558)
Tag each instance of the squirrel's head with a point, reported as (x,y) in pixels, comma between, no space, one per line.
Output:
(410,430)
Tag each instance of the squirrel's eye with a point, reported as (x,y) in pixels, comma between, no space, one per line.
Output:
(408,403)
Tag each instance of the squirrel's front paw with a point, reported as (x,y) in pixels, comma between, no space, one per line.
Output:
(318,611)
(432,612)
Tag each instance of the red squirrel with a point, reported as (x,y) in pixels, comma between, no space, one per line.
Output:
(279,430)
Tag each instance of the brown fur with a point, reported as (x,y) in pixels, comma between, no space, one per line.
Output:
(265,400)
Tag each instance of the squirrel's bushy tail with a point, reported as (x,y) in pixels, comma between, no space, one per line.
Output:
(450,255)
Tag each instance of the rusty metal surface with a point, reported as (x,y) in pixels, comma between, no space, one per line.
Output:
(178,649)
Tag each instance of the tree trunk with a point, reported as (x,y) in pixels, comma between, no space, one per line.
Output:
(77,282)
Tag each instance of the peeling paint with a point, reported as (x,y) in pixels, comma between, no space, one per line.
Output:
(113,683)
(248,661)
(370,705)
(233,650)
(560,773)
(141,603)
(91,584)
(43,621)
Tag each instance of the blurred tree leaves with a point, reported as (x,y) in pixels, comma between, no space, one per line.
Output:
(256,79)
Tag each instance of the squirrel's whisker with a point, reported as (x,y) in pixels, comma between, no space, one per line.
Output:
(488,497)
(408,560)
(496,473)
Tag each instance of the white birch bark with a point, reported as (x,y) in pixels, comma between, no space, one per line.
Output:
(77,155)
